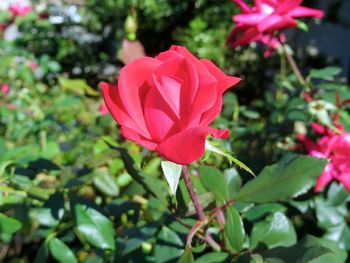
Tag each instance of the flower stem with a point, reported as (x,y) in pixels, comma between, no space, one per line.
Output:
(193,196)
(293,65)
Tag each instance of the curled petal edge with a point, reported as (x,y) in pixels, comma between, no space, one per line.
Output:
(189,145)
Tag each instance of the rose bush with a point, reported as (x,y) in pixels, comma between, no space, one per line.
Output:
(166,103)
(260,22)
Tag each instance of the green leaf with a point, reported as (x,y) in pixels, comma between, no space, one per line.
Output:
(275,231)
(61,252)
(286,179)
(337,254)
(8,226)
(327,73)
(149,183)
(210,147)
(337,194)
(187,256)
(43,253)
(138,235)
(234,229)
(301,25)
(3,167)
(329,216)
(213,257)
(213,180)
(24,183)
(309,250)
(97,229)
(105,182)
(168,247)
(172,173)
(261,210)
(45,217)
(94,259)
(77,86)
(250,114)
(339,234)
(233,181)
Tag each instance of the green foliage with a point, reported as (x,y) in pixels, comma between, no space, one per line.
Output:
(94,227)
(234,229)
(61,252)
(274,232)
(309,249)
(287,179)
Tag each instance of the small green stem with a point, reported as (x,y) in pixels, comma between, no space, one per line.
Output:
(293,65)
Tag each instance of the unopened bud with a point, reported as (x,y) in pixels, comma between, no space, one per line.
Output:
(130,25)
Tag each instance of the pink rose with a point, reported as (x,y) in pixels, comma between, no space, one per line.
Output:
(19,10)
(132,50)
(259,23)
(102,109)
(33,65)
(336,148)
(166,103)
(5,88)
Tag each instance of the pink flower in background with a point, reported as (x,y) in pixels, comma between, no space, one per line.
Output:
(18,9)
(103,110)
(3,26)
(167,103)
(132,50)
(336,148)
(5,88)
(260,22)
(33,65)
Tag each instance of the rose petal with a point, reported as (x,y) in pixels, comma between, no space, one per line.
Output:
(301,11)
(160,119)
(249,19)
(345,180)
(189,145)
(168,55)
(309,144)
(205,99)
(224,82)
(248,36)
(178,96)
(257,4)
(324,179)
(117,109)
(135,137)
(134,82)
(190,58)
(274,22)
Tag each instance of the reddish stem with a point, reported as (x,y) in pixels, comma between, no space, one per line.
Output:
(193,196)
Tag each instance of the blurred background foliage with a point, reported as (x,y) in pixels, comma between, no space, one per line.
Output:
(65,195)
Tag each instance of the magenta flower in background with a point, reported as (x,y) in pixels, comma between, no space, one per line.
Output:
(336,148)
(260,22)
(102,109)
(18,9)
(33,65)
(5,88)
